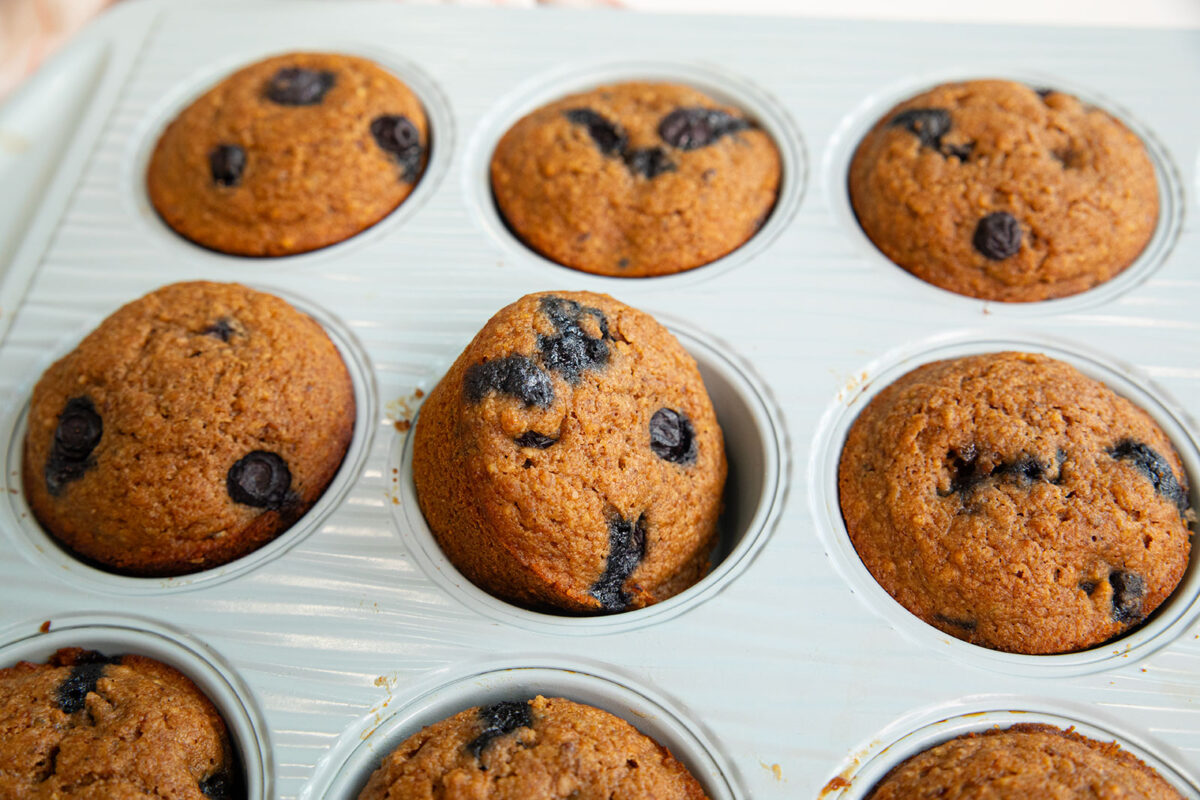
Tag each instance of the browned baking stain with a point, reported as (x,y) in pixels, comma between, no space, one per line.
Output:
(774,769)
(836,783)
(402,410)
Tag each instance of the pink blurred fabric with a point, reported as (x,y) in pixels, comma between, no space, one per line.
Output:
(30,30)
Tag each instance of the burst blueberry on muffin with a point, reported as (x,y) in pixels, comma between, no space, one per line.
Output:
(570,459)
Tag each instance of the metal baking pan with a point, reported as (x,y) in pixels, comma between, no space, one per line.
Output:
(786,672)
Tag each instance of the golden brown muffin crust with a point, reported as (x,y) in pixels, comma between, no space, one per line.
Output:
(182,386)
(1011,501)
(1023,761)
(314,169)
(546,749)
(997,191)
(536,464)
(635,179)
(89,726)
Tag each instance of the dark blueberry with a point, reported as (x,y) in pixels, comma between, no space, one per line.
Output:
(222,329)
(1128,590)
(227,162)
(998,236)
(649,162)
(1025,470)
(260,479)
(1044,93)
(626,548)
(535,439)
(692,128)
(963,475)
(672,437)
(79,429)
(960,151)
(499,719)
(218,786)
(1060,458)
(516,376)
(608,136)
(1155,468)
(927,124)
(401,140)
(964,624)
(572,350)
(85,673)
(297,86)
(78,432)
(1087,586)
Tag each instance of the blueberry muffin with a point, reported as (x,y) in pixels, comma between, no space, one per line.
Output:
(1028,760)
(86,725)
(570,459)
(1010,501)
(542,749)
(1002,192)
(288,155)
(635,179)
(192,426)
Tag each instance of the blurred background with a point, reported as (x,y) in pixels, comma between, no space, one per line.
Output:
(31,30)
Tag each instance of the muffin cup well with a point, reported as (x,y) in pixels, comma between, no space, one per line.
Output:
(1171,619)
(359,750)
(136,158)
(911,737)
(38,546)
(544,89)
(119,635)
(755,447)
(853,128)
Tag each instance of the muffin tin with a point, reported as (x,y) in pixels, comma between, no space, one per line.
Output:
(784,673)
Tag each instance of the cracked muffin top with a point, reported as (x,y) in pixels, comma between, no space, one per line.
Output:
(570,459)
(635,179)
(1011,501)
(542,749)
(86,725)
(999,191)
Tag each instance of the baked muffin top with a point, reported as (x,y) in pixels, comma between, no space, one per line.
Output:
(635,179)
(1013,502)
(86,725)
(192,426)
(999,191)
(543,749)
(289,154)
(1023,761)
